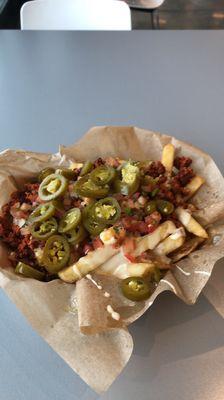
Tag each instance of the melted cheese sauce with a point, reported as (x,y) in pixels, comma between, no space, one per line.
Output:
(115,315)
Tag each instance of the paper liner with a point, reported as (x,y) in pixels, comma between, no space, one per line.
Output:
(61,312)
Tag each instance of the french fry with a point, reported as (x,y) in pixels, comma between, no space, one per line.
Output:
(150,241)
(126,269)
(110,265)
(87,264)
(171,243)
(190,223)
(168,156)
(189,246)
(194,185)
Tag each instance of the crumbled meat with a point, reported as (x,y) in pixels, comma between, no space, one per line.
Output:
(31,192)
(184,176)
(155,169)
(162,179)
(182,162)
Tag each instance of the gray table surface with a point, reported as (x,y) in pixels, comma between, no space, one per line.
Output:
(53,87)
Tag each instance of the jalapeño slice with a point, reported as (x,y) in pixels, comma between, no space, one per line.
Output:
(56,253)
(103,175)
(42,213)
(107,211)
(29,272)
(87,188)
(136,288)
(43,230)
(52,186)
(70,220)
(87,167)
(76,235)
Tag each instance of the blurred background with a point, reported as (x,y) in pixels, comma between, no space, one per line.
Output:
(173,14)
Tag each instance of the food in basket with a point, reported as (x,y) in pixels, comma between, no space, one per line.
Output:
(126,218)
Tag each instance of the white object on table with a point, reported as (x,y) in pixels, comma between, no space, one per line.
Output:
(75,15)
(145,4)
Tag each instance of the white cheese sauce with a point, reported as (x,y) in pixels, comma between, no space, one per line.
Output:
(202,272)
(183,272)
(115,315)
(179,233)
(88,276)
(169,284)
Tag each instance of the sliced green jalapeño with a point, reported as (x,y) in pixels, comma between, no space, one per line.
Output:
(103,175)
(76,235)
(129,181)
(42,213)
(90,224)
(87,188)
(136,288)
(106,211)
(87,167)
(56,253)
(52,186)
(70,220)
(29,272)
(43,230)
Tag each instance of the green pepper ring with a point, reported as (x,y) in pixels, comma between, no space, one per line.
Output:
(45,194)
(42,213)
(67,173)
(103,175)
(87,188)
(92,226)
(76,235)
(136,288)
(111,201)
(28,271)
(70,220)
(165,207)
(53,246)
(120,186)
(49,226)
(86,168)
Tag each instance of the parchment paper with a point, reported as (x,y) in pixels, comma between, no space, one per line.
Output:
(60,312)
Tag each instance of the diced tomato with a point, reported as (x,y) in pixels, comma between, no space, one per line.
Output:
(153,218)
(87,247)
(130,258)
(129,245)
(97,242)
(133,225)
(153,221)
(151,228)
(130,203)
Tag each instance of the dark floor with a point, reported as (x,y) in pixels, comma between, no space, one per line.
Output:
(174,14)
(184,14)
